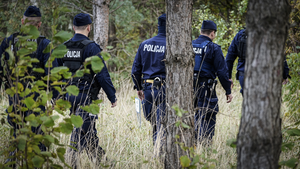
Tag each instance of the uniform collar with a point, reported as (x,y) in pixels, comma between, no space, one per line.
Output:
(202,37)
(161,34)
(78,37)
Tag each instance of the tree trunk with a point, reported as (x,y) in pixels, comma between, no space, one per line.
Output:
(101,22)
(259,137)
(179,69)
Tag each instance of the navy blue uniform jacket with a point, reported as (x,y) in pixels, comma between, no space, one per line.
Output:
(42,57)
(214,57)
(103,78)
(148,60)
(233,54)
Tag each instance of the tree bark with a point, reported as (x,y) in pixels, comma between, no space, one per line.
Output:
(101,22)
(179,69)
(259,137)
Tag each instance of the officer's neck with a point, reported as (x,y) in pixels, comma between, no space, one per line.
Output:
(85,33)
(207,36)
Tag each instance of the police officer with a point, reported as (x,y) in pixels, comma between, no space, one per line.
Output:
(80,48)
(209,63)
(148,75)
(32,16)
(238,49)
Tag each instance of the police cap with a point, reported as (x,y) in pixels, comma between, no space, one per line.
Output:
(208,24)
(162,20)
(32,11)
(82,19)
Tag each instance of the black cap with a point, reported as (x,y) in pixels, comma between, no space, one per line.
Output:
(208,24)
(32,11)
(82,19)
(162,20)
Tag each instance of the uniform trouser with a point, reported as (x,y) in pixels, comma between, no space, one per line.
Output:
(85,137)
(154,112)
(36,130)
(206,103)
(240,77)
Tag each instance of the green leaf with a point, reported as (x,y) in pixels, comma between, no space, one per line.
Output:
(77,121)
(25,130)
(59,69)
(30,117)
(196,160)
(45,153)
(62,104)
(109,47)
(60,51)
(231,143)
(287,146)
(185,126)
(36,149)
(34,32)
(66,128)
(177,124)
(29,102)
(94,109)
(73,90)
(49,138)
(67,75)
(62,36)
(291,163)
(97,101)
(10,92)
(61,152)
(105,56)
(21,142)
(38,161)
(39,70)
(97,64)
(185,161)
(293,132)
(79,73)
(49,122)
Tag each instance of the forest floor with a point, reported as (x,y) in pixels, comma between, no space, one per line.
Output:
(129,145)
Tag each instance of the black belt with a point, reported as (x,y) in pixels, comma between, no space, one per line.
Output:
(200,79)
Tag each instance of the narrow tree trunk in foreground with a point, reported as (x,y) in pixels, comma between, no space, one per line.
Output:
(179,68)
(259,137)
(101,22)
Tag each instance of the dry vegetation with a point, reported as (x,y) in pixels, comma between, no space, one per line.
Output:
(129,146)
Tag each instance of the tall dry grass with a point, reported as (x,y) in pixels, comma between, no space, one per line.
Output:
(129,146)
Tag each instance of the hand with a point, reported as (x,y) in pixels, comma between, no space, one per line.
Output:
(114,104)
(231,83)
(229,98)
(141,94)
(285,81)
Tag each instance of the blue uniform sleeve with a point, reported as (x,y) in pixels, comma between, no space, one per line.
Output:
(232,54)
(103,78)
(221,69)
(136,72)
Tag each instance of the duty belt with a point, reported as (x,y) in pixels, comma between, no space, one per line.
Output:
(152,80)
(149,81)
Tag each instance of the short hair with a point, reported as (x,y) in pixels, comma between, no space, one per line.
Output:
(80,28)
(206,31)
(32,20)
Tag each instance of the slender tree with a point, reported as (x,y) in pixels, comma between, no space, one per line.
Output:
(179,68)
(259,137)
(101,22)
